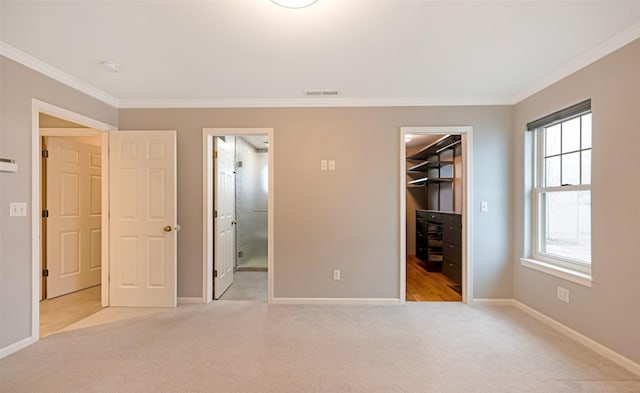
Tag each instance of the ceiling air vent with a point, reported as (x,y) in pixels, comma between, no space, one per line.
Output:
(321,93)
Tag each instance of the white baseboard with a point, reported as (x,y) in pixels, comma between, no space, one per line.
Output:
(15,347)
(331,300)
(190,300)
(492,302)
(582,339)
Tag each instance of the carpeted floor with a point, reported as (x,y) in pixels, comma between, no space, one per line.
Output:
(244,346)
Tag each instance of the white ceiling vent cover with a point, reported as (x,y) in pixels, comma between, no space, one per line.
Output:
(321,93)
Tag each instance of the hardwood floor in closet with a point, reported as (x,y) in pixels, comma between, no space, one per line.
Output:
(424,286)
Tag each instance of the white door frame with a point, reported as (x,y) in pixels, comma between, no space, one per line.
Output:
(207,205)
(467,205)
(38,107)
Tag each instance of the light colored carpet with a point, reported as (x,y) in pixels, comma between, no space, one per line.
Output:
(247,286)
(245,346)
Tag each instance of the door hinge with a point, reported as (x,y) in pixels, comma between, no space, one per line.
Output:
(215,273)
(215,214)
(45,272)
(45,154)
(240,254)
(215,154)
(45,213)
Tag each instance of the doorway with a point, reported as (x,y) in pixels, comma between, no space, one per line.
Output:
(69,176)
(435,219)
(238,220)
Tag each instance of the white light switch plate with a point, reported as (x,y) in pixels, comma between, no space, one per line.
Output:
(484,206)
(17,209)
(332,165)
(323,165)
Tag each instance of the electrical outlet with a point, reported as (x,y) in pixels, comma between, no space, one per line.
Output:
(323,165)
(332,165)
(336,274)
(562,294)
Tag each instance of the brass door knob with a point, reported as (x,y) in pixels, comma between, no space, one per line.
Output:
(167,228)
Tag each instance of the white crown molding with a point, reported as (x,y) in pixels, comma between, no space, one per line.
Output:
(630,34)
(306,102)
(56,74)
(618,41)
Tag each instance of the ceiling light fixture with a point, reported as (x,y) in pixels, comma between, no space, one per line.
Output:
(294,3)
(110,66)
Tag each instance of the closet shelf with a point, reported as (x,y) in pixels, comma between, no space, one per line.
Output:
(426,180)
(444,143)
(426,165)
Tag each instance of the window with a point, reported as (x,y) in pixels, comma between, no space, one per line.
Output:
(562,188)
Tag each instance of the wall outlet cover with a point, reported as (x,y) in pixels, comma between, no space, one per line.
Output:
(562,294)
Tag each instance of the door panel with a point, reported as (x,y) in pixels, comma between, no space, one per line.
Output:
(224,205)
(143,254)
(73,257)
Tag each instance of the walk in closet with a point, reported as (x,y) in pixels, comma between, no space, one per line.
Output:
(434,221)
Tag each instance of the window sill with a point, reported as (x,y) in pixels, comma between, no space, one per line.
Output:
(557,271)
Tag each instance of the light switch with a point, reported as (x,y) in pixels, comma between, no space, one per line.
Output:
(323,165)
(484,206)
(332,165)
(17,209)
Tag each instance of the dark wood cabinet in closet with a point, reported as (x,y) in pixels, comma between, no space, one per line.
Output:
(439,242)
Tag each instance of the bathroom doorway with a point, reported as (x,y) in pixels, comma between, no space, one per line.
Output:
(239,221)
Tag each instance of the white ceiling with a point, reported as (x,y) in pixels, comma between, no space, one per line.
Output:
(402,51)
(257,141)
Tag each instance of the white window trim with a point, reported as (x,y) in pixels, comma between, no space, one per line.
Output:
(572,270)
(574,276)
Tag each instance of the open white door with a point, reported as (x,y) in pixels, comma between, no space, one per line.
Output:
(74,235)
(224,195)
(143,218)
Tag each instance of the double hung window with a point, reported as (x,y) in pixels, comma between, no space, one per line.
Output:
(561,200)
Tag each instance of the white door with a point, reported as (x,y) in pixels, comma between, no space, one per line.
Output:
(143,218)
(225,213)
(73,200)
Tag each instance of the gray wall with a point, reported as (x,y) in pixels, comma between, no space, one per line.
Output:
(347,219)
(18,86)
(607,312)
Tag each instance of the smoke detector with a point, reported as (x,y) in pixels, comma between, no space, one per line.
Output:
(110,66)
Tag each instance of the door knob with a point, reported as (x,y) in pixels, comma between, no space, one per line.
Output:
(167,228)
